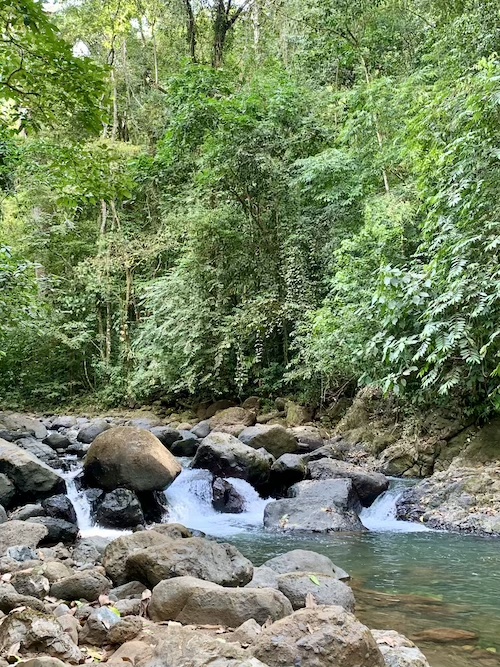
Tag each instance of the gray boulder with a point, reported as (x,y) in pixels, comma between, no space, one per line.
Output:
(194,556)
(31,478)
(317,507)
(186,445)
(296,586)
(39,450)
(97,626)
(191,601)
(309,437)
(263,577)
(18,424)
(90,549)
(166,435)
(302,560)
(188,648)
(287,470)
(85,585)
(202,429)
(273,438)
(319,636)
(131,590)
(38,633)
(120,509)
(28,582)
(131,458)
(63,421)
(26,533)
(369,485)
(27,512)
(7,491)
(118,551)
(10,599)
(226,456)
(88,433)
(398,650)
(57,441)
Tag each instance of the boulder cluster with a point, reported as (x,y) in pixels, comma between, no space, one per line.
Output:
(166,597)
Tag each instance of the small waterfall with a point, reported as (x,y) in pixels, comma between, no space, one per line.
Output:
(190,502)
(381,516)
(78,499)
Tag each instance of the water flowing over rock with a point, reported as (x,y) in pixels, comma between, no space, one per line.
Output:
(316,637)
(226,456)
(190,600)
(132,458)
(316,506)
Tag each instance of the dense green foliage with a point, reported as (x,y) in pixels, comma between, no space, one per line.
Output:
(275,197)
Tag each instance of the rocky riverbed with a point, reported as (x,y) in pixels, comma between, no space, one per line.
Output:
(154,593)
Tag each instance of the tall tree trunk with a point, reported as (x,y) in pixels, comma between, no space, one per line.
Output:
(191,29)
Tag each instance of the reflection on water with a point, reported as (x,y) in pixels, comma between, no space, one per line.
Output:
(412,582)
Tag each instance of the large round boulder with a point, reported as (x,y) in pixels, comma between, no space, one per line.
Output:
(303,560)
(193,556)
(296,586)
(85,585)
(272,437)
(226,456)
(131,458)
(191,601)
(117,552)
(318,636)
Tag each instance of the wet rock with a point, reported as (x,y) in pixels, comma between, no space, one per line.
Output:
(38,633)
(31,478)
(189,600)
(445,636)
(287,470)
(120,509)
(187,648)
(154,505)
(368,485)
(118,551)
(88,433)
(98,625)
(226,456)
(57,441)
(130,458)
(30,583)
(125,630)
(85,585)
(273,438)
(25,533)
(7,491)
(325,590)
(60,507)
(226,498)
(10,599)
(317,506)
(302,560)
(186,445)
(166,435)
(58,530)
(326,631)
(398,650)
(194,556)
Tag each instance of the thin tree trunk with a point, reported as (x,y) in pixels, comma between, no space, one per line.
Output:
(155,54)
(114,130)
(380,139)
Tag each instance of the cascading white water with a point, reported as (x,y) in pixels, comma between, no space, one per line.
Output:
(190,502)
(381,516)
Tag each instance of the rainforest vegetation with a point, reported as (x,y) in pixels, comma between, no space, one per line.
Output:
(234,197)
